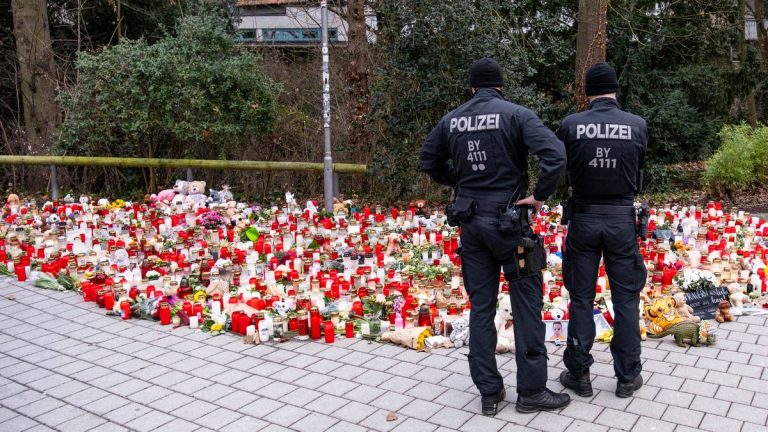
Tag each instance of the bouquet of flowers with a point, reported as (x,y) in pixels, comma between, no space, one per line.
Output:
(695,280)
(153,275)
(211,220)
(373,306)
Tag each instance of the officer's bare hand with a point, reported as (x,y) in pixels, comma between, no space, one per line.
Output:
(531,201)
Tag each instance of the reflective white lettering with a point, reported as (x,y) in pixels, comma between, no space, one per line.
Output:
(604,131)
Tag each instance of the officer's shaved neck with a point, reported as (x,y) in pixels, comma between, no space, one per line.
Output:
(475,89)
(607,95)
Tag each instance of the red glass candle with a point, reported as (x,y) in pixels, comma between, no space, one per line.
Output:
(133,293)
(86,287)
(100,297)
(197,309)
(303,325)
(186,307)
(236,321)
(316,322)
(329,334)
(349,327)
(357,308)
(293,324)
(125,307)
(21,273)
(165,313)
(109,300)
(245,321)
(150,291)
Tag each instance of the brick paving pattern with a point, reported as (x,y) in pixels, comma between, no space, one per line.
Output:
(65,366)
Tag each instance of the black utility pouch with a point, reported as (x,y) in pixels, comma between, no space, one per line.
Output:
(459,211)
(642,214)
(509,221)
(535,254)
(567,212)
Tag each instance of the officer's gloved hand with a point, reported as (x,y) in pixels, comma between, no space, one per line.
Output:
(531,201)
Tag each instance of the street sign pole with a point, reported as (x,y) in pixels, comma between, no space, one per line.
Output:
(327,159)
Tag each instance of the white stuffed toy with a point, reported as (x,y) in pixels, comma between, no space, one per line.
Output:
(460,333)
(282,308)
(505,333)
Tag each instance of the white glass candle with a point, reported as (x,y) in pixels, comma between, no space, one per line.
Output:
(193,322)
(216,307)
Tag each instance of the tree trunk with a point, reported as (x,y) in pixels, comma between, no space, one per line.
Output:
(36,66)
(590,42)
(357,73)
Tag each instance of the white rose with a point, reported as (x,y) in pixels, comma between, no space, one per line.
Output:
(380,298)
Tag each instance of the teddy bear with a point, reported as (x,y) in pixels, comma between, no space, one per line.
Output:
(290,202)
(197,192)
(685,311)
(341,206)
(168,195)
(460,333)
(723,312)
(643,328)
(214,197)
(505,334)
(737,297)
(282,308)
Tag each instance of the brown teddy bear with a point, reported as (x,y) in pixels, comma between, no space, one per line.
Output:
(723,312)
(685,311)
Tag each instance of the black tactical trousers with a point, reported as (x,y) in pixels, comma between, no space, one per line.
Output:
(591,236)
(484,251)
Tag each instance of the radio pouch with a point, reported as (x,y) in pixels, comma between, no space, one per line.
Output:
(459,211)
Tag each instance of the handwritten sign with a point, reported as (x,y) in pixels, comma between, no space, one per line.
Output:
(704,303)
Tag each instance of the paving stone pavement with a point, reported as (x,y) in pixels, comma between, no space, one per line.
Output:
(65,366)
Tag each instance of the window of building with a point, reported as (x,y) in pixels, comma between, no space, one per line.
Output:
(247,35)
(264,10)
(297,35)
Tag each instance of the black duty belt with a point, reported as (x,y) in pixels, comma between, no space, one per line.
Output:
(488,208)
(604,210)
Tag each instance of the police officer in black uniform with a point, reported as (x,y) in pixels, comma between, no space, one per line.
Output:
(606,151)
(481,149)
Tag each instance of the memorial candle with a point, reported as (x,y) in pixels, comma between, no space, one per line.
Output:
(329,333)
(315,326)
(125,308)
(165,313)
(109,300)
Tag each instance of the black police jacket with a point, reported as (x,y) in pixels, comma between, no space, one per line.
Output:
(482,147)
(606,152)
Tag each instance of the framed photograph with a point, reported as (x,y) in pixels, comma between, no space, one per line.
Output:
(601,324)
(556,331)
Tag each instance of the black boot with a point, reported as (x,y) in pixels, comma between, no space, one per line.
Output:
(625,390)
(582,386)
(547,400)
(491,403)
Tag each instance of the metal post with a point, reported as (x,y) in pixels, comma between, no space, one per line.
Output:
(189,175)
(336,183)
(54,183)
(327,159)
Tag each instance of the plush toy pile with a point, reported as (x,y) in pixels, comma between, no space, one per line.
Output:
(182,257)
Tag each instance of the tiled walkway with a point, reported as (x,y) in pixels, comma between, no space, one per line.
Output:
(65,366)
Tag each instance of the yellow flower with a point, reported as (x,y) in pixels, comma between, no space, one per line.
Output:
(216,327)
(199,296)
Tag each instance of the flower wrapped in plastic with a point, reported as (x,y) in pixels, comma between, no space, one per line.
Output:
(413,338)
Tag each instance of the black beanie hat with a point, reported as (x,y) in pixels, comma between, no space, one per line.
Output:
(485,73)
(600,79)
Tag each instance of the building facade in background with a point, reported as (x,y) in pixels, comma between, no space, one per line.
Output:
(292,22)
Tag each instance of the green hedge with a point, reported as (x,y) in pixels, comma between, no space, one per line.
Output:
(741,162)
